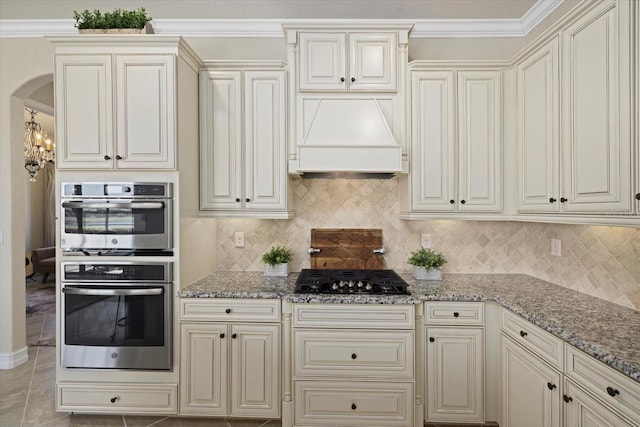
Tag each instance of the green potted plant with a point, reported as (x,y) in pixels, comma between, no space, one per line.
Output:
(426,264)
(118,21)
(276,261)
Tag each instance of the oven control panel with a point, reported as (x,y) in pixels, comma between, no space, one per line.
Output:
(117,272)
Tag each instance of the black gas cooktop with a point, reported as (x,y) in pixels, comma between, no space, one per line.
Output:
(385,282)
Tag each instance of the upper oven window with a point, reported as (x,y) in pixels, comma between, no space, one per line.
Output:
(114,217)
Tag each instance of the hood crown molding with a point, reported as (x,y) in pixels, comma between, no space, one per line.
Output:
(273,27)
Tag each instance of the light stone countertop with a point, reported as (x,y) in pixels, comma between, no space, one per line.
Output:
(606,331)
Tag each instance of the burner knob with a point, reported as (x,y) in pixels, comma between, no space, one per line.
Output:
(334,286)
(368,286)
(351,284)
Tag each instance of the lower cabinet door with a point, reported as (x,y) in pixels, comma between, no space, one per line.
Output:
(530,389)
(255,370)
(335,403)
(455,374)
(581,410)
(119,399)
(203,368)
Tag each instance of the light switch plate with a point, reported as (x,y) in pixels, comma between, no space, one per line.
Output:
(556,247)
(239,239)
(426,241)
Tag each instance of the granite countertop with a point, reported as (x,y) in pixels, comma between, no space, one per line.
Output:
(604,330)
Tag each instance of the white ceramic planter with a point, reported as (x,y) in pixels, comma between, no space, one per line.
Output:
(421,273)
(276,270)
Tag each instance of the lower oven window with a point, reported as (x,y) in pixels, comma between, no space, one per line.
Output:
(114,317)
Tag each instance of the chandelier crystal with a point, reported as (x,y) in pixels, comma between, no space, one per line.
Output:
(38,147)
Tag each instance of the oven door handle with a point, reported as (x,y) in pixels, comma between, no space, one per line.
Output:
(128,205)
(113,292)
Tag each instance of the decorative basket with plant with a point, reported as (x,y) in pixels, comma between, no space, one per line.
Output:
(123,21)
(427,264)
(276,261)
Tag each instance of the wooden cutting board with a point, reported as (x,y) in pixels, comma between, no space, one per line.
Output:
(346,248)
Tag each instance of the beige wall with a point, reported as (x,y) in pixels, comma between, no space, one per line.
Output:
(597,260)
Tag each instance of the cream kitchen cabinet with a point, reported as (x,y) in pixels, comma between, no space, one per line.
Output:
(348,61)
(574,115)
(353,365)
(230,368)
(117,398)
(582,410)
(115,104)
(455,362)
(243,160)
(456,143)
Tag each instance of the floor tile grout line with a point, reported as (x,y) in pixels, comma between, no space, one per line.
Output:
(33,372)
(158,421)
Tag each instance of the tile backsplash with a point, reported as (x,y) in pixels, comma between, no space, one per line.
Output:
(597,260)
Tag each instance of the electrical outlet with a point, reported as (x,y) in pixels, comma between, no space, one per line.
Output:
(239,239)
(556,247)
(426,241)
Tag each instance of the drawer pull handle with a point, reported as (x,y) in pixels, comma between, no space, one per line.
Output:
(234,336)
(523,334)
(566,398)
(552,200)
(456,314)
(354,356)
(341,79)
(551,386)
(563,199)
(113,399)
(221,335)
(107,157)
(228,310)
(118,157)
(612,391)
(353,79)
(431,339)
(353,406)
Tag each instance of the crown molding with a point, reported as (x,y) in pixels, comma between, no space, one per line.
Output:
(273,27)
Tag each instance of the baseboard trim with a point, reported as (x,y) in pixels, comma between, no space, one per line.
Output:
(11,360)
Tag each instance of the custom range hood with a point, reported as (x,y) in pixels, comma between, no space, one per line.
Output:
(347,135)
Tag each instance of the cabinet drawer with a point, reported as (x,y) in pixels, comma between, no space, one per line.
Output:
(357,354)
(352,316)
(328,403)
(455,313)
(535,339)
(229,309)
(127,399)
(584,407)
(602,381)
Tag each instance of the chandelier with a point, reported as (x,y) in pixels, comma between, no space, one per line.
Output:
(38,148)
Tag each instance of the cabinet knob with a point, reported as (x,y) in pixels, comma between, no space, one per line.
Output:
(107,157)
(234,336)
(237,199)
(452,201)
(341,79)
(431,339)
(523,334)
(463,201)
(551,386)
(612,391)
(353,406)
(354,356)
(353,79)
(562,200)
(566,398)
(118,157)
(113,399)
(247,200)
(552,200)
(221,335)
(456,314)
(228,310)
(637,196)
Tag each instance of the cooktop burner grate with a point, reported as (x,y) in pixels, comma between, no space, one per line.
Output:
(384,282)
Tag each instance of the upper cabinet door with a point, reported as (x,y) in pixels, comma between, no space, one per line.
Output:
(372,61)
(596,110)
(480,142)
(322,61)
(266,148)
(433,141)
(84,118)
(145,111)
(220,140)
(538,130)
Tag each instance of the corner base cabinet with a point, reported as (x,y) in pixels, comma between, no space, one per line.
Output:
(230,368)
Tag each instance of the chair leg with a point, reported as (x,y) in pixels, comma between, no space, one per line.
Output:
(44,277)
